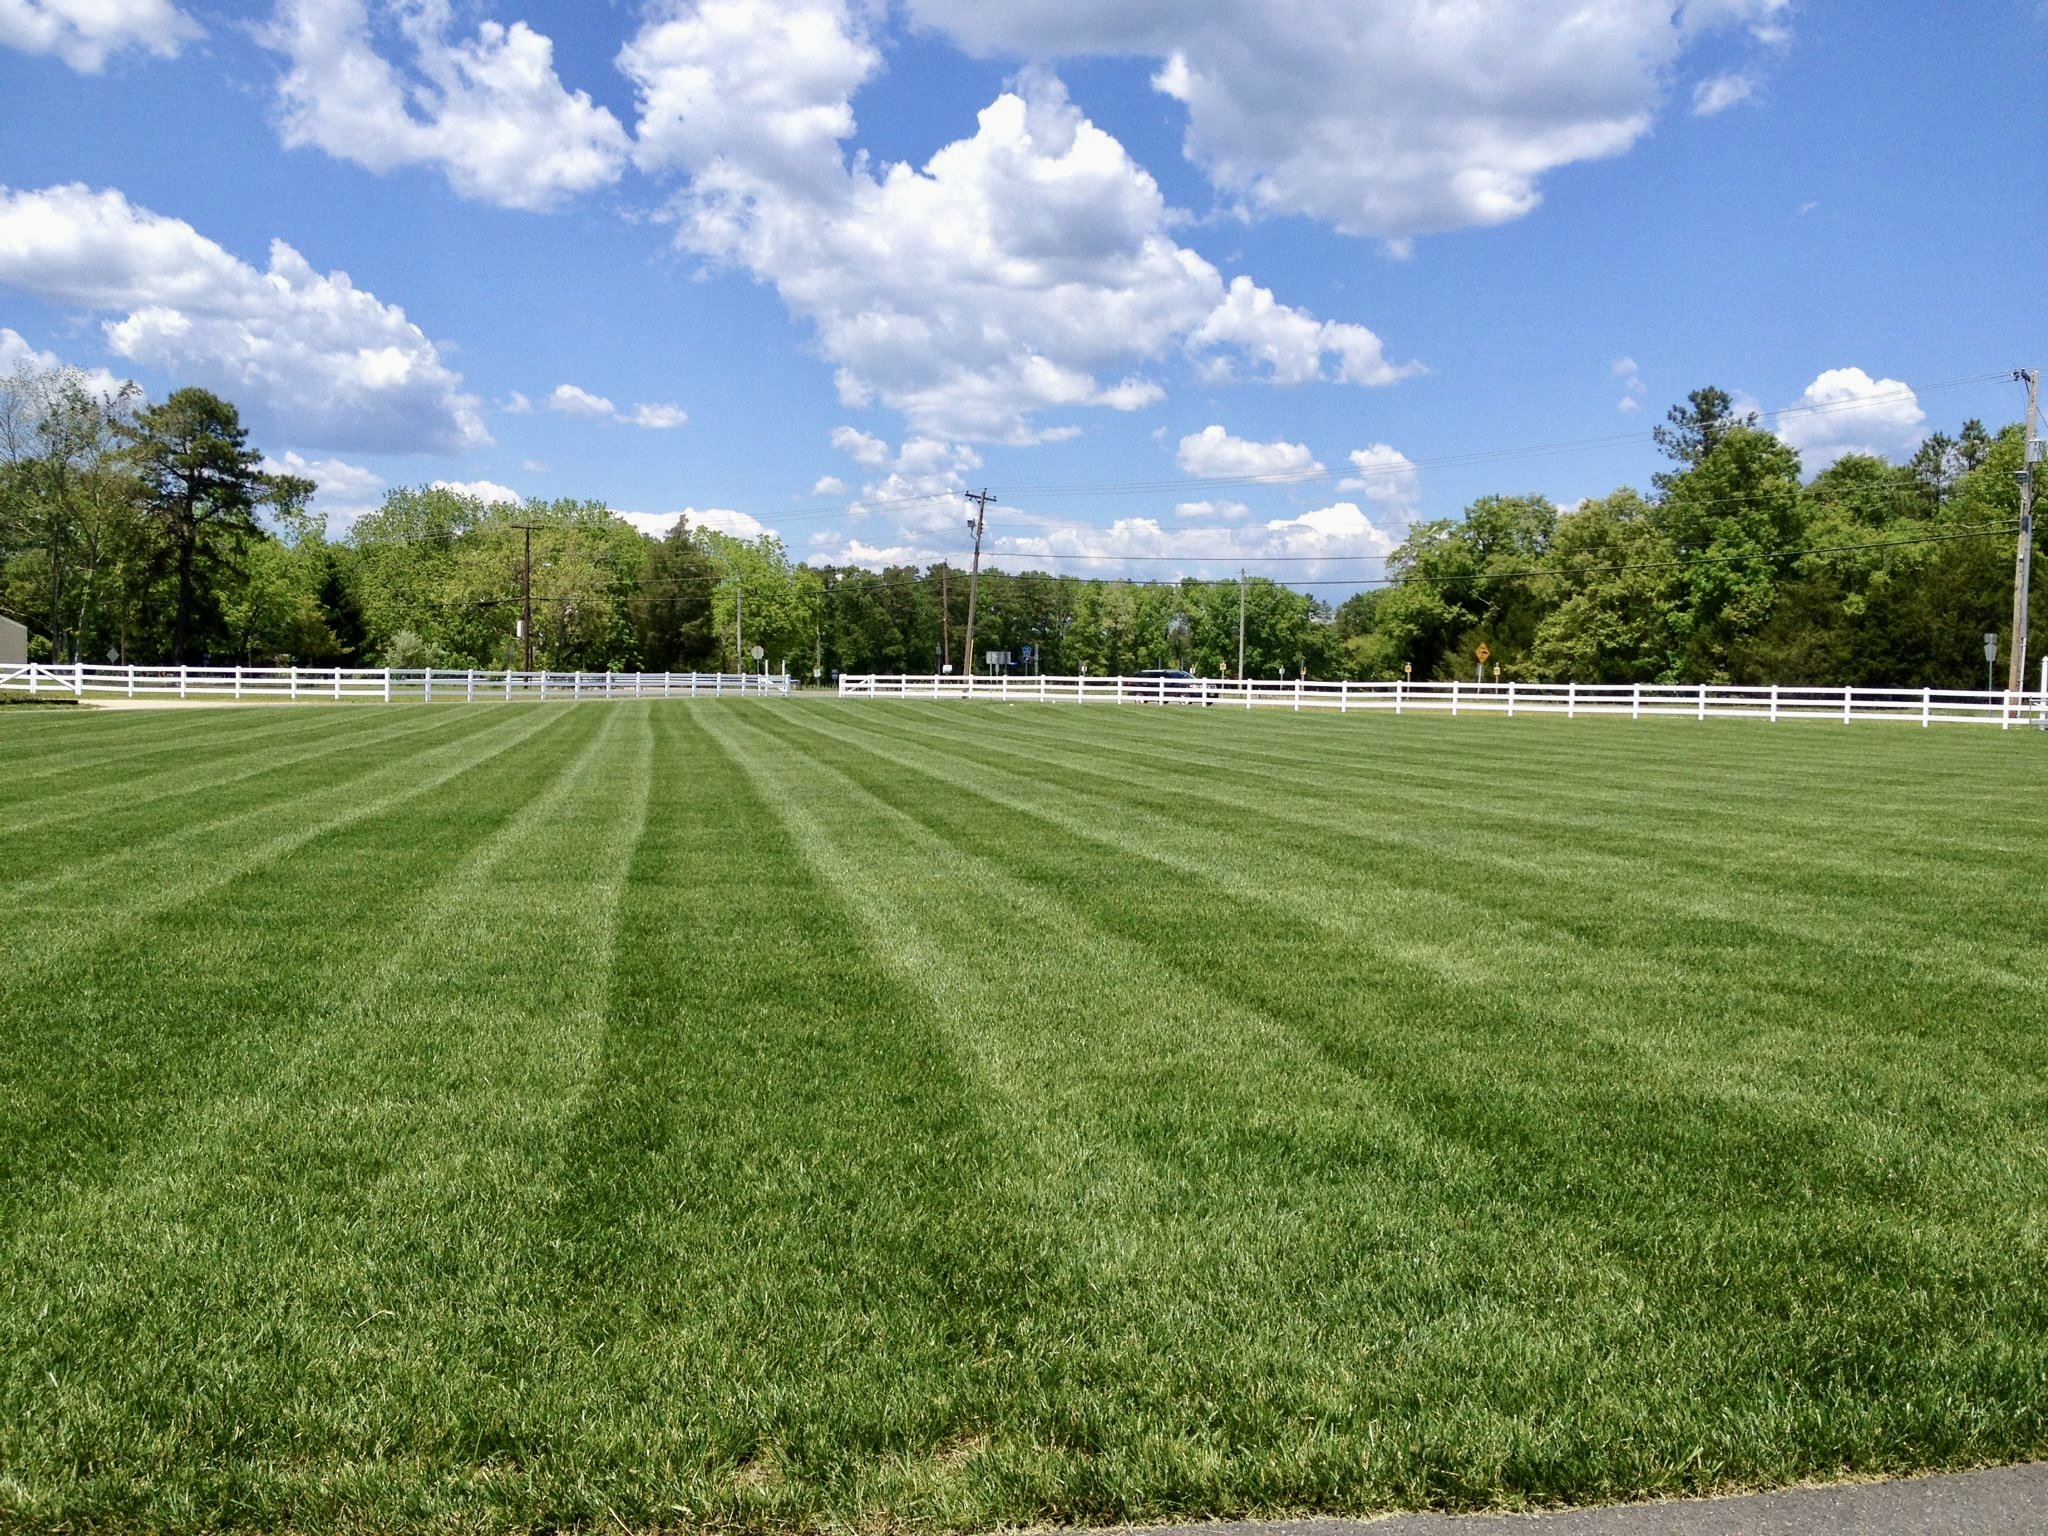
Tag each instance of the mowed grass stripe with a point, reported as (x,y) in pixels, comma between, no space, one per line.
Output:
(85,819)
(343,1226)
(1780,886)
(1589,995)
(1207,1174)
(83,745)
(75,905)
(775,1219)
(170,1009)
(1587,1154)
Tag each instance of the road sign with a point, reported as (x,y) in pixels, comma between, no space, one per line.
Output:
(1482,653)
(757,652)
(1025,653)
(1991,648)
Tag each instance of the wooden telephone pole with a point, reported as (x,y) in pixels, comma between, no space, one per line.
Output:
(2023,562)
(981,499)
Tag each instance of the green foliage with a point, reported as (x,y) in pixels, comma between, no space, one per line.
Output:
(150,534)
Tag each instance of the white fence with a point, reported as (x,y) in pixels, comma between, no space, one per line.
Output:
(384,685)
(1920,706)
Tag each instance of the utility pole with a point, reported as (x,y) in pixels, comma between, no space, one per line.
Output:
(945,616)
(739,628)
(2023,562)
(1240,623)
(981,499)
(526,596)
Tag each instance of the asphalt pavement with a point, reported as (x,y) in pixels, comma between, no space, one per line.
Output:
(2003,1501)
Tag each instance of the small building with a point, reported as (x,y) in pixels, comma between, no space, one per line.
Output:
(13,642)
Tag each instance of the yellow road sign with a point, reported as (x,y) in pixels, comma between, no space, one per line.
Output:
(1482,653)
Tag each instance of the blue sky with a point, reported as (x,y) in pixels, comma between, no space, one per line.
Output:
(1155,272)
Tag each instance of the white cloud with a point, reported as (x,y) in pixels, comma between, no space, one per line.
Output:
(85,33)
(1722,92)
(1846,411)
(829,485)
(346,491)
(1392,119)
(861,447)
(1213,454)
(482,490)
(516,405)
(533,466)
(17,356)
(336,367)
(1293,344)
(1386,477)
(1633,388)
(1212,511)
(573,401)
(657,418)
(489,110)
(741,525)
(1028,268)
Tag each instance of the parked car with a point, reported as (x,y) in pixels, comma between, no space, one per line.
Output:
(1174,685)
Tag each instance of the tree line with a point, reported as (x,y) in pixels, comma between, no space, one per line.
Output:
(141,532)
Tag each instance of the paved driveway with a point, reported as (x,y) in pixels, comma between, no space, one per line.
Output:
(2005,1501)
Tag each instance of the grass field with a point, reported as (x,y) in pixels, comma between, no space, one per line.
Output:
(802,1115)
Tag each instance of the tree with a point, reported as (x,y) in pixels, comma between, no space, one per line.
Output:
(201,485)
(1694,430)
(672,608)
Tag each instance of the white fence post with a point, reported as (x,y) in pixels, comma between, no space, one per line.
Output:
(427,690)
(131,680)
(1703,701)
(1454,696)
(1847,695)
(1297,693)
(1571,701)
(1511,701)
(1774,703)
(181,680)
(1635,702)
(469,689)
(387,685)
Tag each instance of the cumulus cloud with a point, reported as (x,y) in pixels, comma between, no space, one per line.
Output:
(489,110)
(1213,454)
(656,418)
(1026,269)
(483,490)
(1295,347)
(1212,511)
(346,491)
(334,365)
(741,525)
(572,400)
(86,33)
(1386,477)
(1722,92)
(1846,411)
(1391,120)
(828,485)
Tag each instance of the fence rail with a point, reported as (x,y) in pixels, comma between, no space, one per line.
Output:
(383,685)
(1712,701)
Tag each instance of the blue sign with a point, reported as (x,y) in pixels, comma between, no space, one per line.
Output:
(1025,653)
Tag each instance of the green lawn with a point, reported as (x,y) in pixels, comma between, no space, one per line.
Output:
(789,1114)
